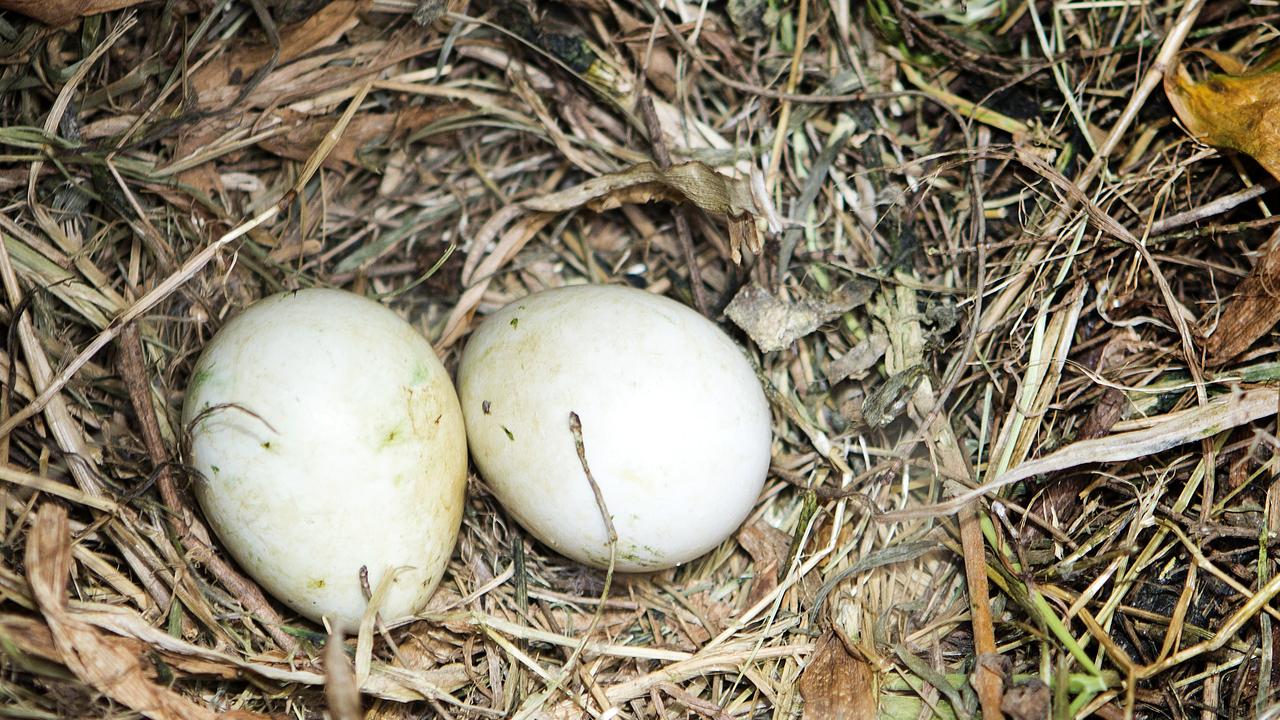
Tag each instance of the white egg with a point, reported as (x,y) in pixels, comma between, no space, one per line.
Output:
(675,425)
(329,438)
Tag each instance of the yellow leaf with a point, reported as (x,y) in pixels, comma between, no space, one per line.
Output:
(1238,108)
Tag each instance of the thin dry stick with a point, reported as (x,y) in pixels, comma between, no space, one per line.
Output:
(575,426)
(183,522)
(531,706)
(1216,207)
(663,156)
(989,683)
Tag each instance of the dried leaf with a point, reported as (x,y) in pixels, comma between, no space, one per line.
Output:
(32,636)
(1238,109)
(693,182)
(891,398)
(774,324)
(1252,310)
(61,12)
(117,670)
(1027,701)
(768,548)
(364,130)
(387,682)
(320,30)
(836,685)
(752,18)
(859,360)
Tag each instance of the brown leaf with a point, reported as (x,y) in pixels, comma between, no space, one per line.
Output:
(32,636)
(1027,701)
(768,548)
(836,685)
(320,30)
(363,130)
(692,182)
(774,324)
(116,669)
(1252,310)
(61,12)
(1238,109)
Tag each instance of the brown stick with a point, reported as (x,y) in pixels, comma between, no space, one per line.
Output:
(987,680)
(663,157)
(182,521)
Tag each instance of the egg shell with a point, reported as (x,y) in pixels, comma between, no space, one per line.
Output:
(329,437)
(676,428)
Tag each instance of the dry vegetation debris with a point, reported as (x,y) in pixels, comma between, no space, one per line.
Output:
(1024,457)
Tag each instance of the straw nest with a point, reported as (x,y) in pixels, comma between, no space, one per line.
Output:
(973,253)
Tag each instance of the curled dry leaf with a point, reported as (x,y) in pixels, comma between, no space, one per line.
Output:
(774,324)
(61,12)
(116,669)
(693,182)
(860,359)
(1237,109)
(768,548)
(836,685)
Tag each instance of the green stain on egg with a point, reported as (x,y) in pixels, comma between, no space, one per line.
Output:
(199,379)
(391,437)
(421,374)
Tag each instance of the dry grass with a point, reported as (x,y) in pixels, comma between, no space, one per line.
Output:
(991,254)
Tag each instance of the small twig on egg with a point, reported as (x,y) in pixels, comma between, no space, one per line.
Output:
(575,426)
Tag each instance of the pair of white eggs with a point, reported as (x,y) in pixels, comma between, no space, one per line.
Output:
(330,439)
